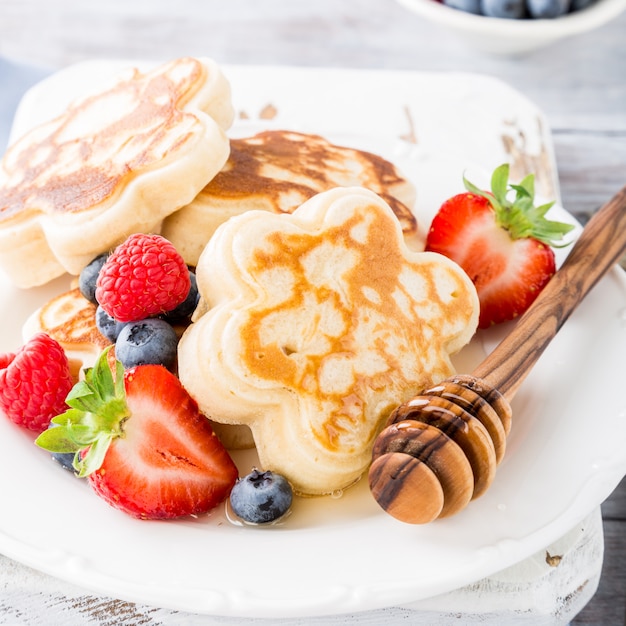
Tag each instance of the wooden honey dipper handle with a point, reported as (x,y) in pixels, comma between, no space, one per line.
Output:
(440,449)
(599,247)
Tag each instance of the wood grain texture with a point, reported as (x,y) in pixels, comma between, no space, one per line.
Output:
(580,83)
(600,245)
(608,606)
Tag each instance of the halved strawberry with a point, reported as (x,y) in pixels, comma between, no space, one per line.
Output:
(142,442)
(504,245)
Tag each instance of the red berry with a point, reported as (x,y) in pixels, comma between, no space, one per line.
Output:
(5,359)
(34,383)
(169,463)
(503,245)
(508,273)
(143,444)
(143,277)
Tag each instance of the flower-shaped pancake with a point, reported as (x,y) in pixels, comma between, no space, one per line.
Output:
(314,326)
(115,162)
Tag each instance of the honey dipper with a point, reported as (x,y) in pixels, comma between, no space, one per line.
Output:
(440,449)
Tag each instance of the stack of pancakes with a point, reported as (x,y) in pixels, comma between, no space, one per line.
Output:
(115,162)
(318,312)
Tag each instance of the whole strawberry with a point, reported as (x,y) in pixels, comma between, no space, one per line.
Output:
(504,245)
(143,444)
(145,276)
(34,383)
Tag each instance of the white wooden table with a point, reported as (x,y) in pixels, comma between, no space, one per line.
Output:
(579,83)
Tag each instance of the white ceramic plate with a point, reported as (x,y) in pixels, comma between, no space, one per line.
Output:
(343,554)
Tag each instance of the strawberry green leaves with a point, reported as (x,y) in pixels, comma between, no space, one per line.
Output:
(98,410)
(519,215)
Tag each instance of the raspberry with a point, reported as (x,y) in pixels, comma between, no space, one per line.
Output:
(34,383)
(143,277)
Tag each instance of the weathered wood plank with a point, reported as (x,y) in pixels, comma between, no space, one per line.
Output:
(579,82)
(608,606)
(591,166)
(615,507)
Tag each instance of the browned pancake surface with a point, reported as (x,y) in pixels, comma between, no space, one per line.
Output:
(289,168)
(100,143)
(279,170)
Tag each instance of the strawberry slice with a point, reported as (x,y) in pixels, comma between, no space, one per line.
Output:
(504,245)
(142,442)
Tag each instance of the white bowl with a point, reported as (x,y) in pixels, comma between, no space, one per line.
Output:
(511,36)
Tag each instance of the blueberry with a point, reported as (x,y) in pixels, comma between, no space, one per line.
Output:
(547,8)
(88,277)
(579,5)
(512,9)
(107,325)
(469,6)
(151,340)
(185,309)
(65,460)
(261,497)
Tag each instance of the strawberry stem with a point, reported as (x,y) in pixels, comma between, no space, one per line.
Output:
(96,416)
(519,216)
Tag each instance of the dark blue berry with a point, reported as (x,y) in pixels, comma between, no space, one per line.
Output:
(469,6)
(261,497)
(547,8)
(88,277)
(150,341)
(65,460)
(185,309)
(579,5)
(107,325)
(512,9)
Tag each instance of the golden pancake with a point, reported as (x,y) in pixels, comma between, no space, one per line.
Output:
(115,162)
(276,171)
(314,325)
(69,318)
